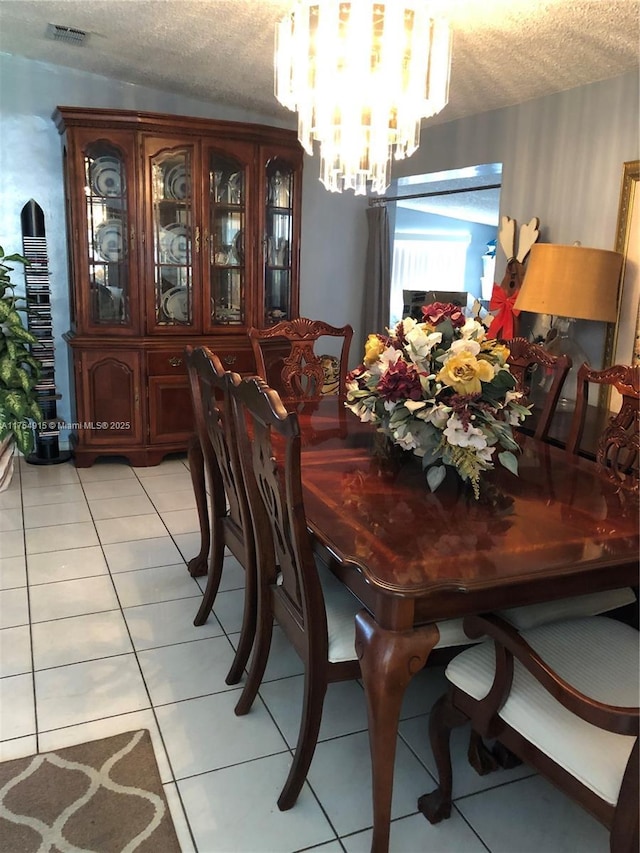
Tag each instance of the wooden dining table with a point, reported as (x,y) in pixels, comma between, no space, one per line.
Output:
(414,557)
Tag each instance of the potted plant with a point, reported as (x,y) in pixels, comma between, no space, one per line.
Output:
(19,373)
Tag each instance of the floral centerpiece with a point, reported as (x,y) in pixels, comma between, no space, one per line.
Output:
(442,389)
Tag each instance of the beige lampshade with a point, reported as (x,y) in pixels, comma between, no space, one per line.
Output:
(571,281)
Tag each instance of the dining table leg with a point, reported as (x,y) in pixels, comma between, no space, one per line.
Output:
(198,565)
(388,660)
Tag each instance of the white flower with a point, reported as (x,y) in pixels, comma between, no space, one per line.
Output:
(512,395)
(365,414)
(414,405)
(387,357)
(486,453)
(436,414)
(405,438)
(407,325)
(421,342)
(464,345)
(459,436)
(472,329)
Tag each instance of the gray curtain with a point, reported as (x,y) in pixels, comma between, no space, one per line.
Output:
(377,287)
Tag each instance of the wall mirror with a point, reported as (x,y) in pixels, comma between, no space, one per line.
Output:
(444,227)
(625,343)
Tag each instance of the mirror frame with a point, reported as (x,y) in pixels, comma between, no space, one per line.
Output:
(628,307)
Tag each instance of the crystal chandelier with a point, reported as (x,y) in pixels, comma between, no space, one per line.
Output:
(361,76)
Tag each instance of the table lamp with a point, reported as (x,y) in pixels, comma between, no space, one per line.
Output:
(570,283)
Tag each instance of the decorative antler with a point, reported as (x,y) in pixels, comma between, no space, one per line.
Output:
(529,233)
(505,323)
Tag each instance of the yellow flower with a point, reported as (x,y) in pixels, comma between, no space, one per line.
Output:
(496,351)
(463,372)
(373,349)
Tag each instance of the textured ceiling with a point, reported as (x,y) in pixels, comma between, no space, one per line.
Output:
(504,51)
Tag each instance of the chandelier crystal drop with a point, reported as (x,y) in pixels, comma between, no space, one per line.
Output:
(361,76)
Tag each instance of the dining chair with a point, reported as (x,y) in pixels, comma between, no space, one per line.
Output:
(618,447)
(215,445)
(528,362)
(525,356)
(285,356)
(314,609)
(562,697)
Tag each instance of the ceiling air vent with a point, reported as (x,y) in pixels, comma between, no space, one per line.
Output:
(70,35)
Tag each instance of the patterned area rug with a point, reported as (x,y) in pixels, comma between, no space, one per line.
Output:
(104,796)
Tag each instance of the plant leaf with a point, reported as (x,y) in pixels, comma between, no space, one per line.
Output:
(435,476)
(509,461)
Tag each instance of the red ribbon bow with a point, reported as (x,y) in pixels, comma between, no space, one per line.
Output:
(503,321)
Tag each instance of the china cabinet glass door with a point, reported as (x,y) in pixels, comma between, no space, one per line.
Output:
(172,216)
(108,227)
(279,198)
(227,230)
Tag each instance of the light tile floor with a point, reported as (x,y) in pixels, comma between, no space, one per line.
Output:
(97,637)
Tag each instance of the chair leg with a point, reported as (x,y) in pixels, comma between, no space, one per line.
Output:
(248,630)
(481,758)
(213,578)
(315,689)
(505,758)
(436,806)
(261,647)
(198,565)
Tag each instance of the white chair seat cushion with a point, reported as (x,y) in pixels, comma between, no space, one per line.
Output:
(596,655)
(530,616)
(452,634)
(341,607)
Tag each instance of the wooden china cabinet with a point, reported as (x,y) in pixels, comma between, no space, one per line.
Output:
(180,231)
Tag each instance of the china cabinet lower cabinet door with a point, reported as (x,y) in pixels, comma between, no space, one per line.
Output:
(108,415)
(170,411)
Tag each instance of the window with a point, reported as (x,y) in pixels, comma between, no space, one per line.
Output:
(426,263)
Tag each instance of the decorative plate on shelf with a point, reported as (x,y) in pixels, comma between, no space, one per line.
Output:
(238,246)
(106,177)
(173,242)
(108,241)
(175,183)
(175,304)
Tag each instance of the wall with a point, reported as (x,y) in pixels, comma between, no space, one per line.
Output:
(562,159)
(333,227)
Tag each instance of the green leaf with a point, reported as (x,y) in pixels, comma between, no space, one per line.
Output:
(22,334)
(435,476)
(7,370)
(509,461)
(16,403)
(24,437)
(24,379)
(34,411)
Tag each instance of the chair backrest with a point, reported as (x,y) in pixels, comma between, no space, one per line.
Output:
(618,447)
(529,362)
(269,447)
(285,356)
(209,384)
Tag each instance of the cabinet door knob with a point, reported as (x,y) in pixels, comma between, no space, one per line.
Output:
(174,361)
(229,359)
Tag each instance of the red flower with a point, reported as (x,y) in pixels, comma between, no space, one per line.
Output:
(439,311)
(400,382)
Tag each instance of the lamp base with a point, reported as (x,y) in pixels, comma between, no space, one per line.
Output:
(561,341)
